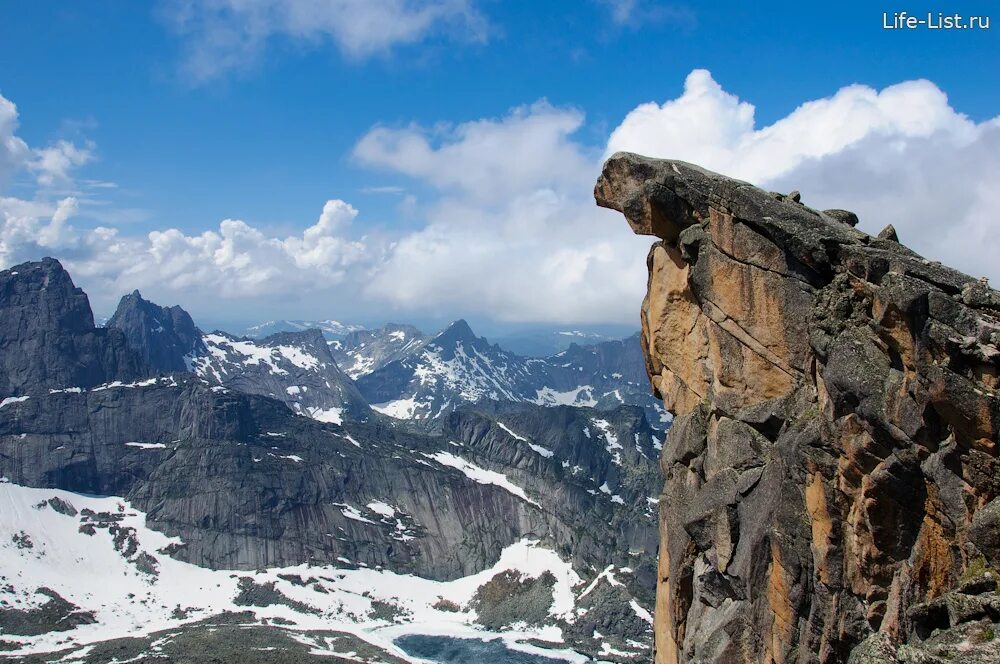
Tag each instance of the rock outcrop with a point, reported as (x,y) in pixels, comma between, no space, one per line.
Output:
(831,477)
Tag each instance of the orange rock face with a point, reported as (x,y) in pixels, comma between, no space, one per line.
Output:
(832,467)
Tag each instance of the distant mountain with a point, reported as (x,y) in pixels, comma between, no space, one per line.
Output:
(457,367)
(542,343)
(453,368)
(331,329)
(364,351)
(294,367)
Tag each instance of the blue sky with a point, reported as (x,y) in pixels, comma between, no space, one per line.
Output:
(191,131)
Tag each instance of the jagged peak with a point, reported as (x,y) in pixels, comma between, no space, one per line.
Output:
(51,282)
(458,330)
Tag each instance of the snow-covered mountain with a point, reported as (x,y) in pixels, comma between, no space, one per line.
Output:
(331,329)
(452,368)
(364,351)
(457,367)
(294,367)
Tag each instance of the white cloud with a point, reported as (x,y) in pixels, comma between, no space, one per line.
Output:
(621,10)
(636,13)
(542,256)
(490,159)
(514,234)
(236,262)
(227,35)
(13,150)
(52,165)
(901,155)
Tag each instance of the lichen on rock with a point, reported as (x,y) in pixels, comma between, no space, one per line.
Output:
(832,467)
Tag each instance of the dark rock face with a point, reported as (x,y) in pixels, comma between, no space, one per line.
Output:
(247,484)
(594,469)
(833,459)
(47,335)
(165,337)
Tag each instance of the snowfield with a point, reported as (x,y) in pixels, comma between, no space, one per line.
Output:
(134,588)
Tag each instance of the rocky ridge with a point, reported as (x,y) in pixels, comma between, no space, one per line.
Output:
(361,352)
(48,338)
(831,477)
(295,367)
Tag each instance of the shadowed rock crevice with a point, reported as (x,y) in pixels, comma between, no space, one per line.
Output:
(831,474)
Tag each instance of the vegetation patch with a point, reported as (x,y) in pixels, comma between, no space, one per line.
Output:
(447,605)
(507,599)
(56,614)
(265,594)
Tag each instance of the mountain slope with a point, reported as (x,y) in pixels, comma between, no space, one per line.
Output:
(364,351)
(294,367)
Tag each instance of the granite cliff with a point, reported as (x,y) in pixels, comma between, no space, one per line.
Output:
(831,477)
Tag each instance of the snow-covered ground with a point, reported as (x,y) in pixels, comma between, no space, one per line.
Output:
(98,553)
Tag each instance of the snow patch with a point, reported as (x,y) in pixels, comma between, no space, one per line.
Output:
(480,475)
(10,400)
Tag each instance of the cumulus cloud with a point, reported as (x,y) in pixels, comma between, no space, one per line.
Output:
(901,155)
(513,233)
(52,165)
(226,35)
(491,159)
(236,262)
(506,226)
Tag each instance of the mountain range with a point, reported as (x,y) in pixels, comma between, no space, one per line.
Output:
(253,473)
